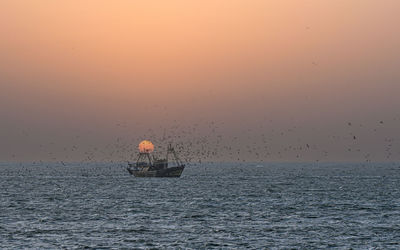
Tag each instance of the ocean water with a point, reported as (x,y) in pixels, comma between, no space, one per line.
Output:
(211,206)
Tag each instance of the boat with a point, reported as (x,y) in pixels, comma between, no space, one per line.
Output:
(147,165)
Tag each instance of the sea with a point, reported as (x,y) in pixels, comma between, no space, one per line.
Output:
(212,206)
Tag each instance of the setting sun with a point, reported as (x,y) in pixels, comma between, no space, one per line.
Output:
(146,147)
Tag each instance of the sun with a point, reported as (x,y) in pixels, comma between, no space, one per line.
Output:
(146,147)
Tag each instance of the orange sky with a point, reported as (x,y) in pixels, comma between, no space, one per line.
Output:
(71,68)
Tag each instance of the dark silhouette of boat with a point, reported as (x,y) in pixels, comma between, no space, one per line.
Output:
(148,166)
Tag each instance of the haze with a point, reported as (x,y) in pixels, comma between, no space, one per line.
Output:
(240,80)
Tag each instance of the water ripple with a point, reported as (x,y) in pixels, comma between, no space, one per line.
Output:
(254,206)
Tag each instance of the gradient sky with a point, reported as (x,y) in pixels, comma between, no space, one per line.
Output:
(247,80)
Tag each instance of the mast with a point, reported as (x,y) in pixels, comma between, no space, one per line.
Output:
(172,151)
(143,156)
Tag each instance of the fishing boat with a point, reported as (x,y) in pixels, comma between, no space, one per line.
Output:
(147,165)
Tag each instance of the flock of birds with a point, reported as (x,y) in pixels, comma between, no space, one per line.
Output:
(209,142)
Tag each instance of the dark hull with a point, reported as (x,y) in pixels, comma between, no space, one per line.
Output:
(167,172)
